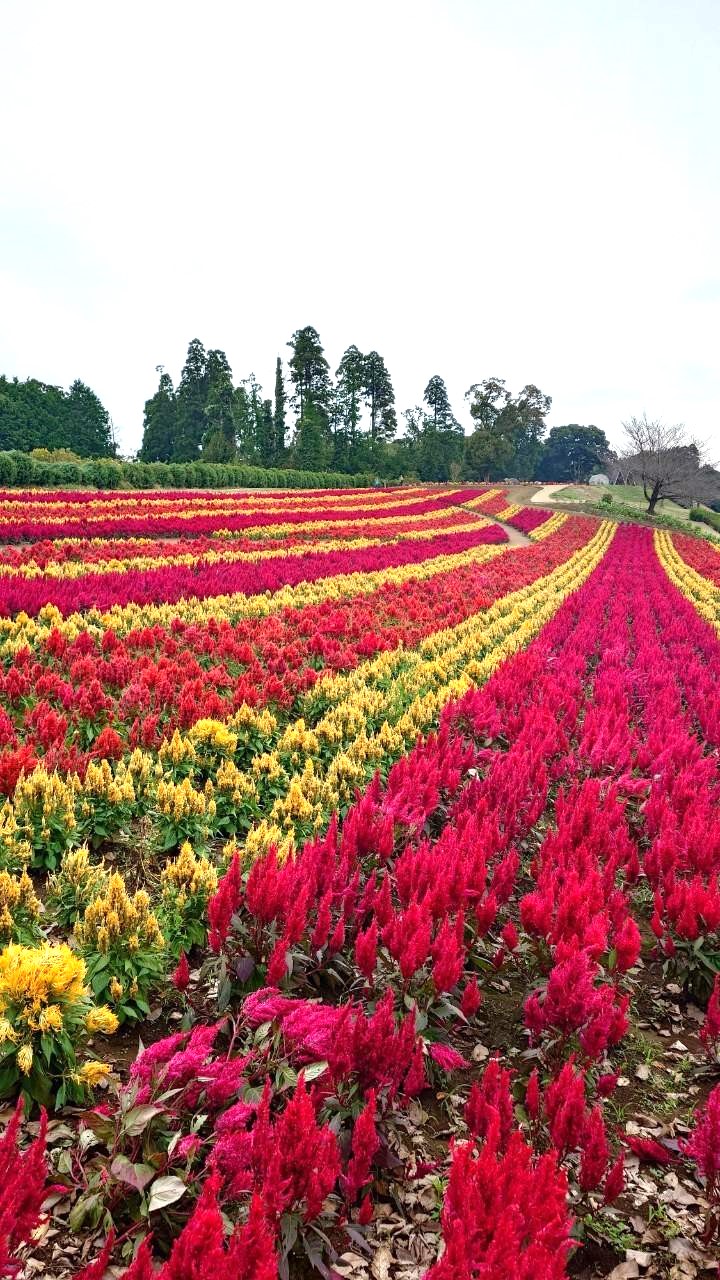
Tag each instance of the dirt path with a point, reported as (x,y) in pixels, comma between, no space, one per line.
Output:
(514,536)
(547,493)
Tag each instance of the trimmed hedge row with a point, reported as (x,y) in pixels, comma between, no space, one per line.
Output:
(706,517)
(21,470)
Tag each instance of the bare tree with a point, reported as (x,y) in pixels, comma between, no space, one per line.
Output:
(667,462)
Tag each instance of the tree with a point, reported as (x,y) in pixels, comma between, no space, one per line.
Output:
(508,436)
(244,422)
(380,398)
(309,371)
(279,414)
(266,434)
(159,422)
(436,398)
(530,410)
(572,453)
(191,401)
(666,461)
(89,424)
(433,453)
(491,447)
(311,450)
(349,392)
(220,440)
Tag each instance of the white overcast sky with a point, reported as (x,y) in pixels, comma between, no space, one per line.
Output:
(522,188)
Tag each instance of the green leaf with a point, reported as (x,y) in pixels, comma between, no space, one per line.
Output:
(139,1118)
(314,1070)
(164,1192)
(134,1175)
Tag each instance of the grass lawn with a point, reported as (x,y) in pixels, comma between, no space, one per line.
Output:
(629,493)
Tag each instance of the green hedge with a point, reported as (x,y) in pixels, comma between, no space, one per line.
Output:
(625,514)
(20,470)
(704,516)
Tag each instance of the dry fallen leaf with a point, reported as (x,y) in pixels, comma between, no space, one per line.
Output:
(381,1263)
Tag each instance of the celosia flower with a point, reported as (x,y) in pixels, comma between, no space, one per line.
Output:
(447,1058)
(101,1020)
(180,976)
(703,1145)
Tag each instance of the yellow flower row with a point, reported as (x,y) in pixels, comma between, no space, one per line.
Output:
(508,512)
(70,569)
(704,595)
(550,527)
(22,630)
(482,498)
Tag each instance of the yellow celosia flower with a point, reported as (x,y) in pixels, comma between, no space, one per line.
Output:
(101,1020)
(40,975)
(51,1019)
(93,1073)
(25,1059)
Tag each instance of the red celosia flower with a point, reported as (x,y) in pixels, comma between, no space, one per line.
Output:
(181,975)
(703,1145)
(22,1187)
(594,1151)
(472,998)
(490,1105)
(505,1214)
(365,1143)
(224,904)
(649,1150)
(615,1180)
(366,950)
(710,1030)
(447,1058)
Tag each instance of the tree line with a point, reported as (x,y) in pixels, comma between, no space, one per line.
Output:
(36,415)
(313,421)
(349,423)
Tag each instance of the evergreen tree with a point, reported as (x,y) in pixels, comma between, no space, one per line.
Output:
(350,390)
(266,437)
(159,422)
(311,398)
(436,398)
(380,398)
(311,450)
(278,441)
(219,440)
(244,422)
(309,371)
(191,402)
(90,430)
(573,453)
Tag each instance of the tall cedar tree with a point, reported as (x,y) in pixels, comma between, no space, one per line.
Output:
(191,400)
(219,440)
(311,398)
(350,390)
(160,422)
(278,421)
(380,399)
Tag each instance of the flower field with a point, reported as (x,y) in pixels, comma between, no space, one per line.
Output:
(359,889)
